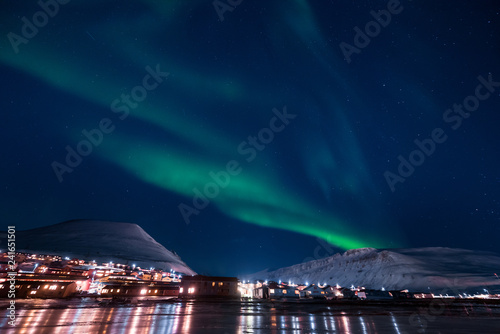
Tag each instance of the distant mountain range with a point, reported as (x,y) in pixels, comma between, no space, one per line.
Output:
(102,241)
(418,269)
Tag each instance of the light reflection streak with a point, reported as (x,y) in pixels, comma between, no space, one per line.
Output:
(332,323)
(259,317)
(345,323)
(240,324)
(126,318)
(78,316)
(47,317)
(185,318)
(296,324)
(161,323)
(282,322)
(63,319)
(3,322)
(274,324)
(312,321)
(28,320)
(186,326)
(248,320)
(95,313)
(169,323)
(396,327)
(111,316)
(135,320)
(150,320)
(41,315)
(363,326)
(176,319)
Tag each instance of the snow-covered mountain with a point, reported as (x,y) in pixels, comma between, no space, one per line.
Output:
(102,241)
(415,269)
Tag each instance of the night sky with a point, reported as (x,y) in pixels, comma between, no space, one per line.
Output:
(288,121)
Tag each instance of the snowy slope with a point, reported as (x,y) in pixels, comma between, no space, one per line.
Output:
(102,241)
(414,269)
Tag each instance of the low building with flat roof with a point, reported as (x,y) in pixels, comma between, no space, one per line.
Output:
(209,286)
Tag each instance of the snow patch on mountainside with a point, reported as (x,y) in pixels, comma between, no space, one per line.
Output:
(102,241)
(415,269)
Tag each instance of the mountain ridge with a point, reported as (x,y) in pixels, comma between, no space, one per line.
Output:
(102,241)
(402,268)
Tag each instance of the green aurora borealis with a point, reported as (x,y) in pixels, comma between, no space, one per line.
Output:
(321,176)
(255,196)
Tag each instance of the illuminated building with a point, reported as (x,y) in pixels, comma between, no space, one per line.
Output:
(209,286)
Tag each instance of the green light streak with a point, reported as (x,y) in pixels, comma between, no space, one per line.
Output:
(248,197)
(71,77)
(255,196)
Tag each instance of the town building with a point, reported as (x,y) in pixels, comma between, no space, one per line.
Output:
(209,286)
(274,290)
(313,291)
(370,294)
(44,286)
(129,286)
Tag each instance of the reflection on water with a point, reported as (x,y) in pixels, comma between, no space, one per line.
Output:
(230,317)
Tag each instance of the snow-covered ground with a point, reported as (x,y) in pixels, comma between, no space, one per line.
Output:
(417,269)
(102,241)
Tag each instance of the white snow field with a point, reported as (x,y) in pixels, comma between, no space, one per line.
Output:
(417,269)
(102,241)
